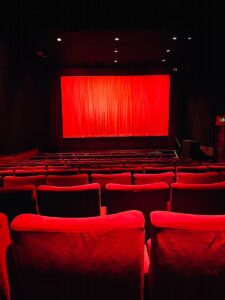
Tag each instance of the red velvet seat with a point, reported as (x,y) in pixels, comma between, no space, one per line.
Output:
(6,172)
(30,172)
(134,169)
(67,180)
(69,201)
(84,258)
(159,169)
(35,167)
(62,171)
(95,170)
(192,169)
(103,179)
(217,167)
(18,200)
(168,177)
(208,177)
(198,198)
(187,258)
(4,244)
(13,181)
(145,198)
(222,175)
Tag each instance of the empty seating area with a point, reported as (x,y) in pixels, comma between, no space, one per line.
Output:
(114,204)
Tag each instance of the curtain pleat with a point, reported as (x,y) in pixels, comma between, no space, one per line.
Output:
(108,106)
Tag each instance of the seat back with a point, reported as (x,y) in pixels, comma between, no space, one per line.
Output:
(198,198)
(208,177)
(158,169)
(18,200)
(187,256)
(103,179)
(67,180)
(69,201)
(62,171)
(145,198)
(168,177)
(4,244)
(13,181)
(84,258)
(192,169)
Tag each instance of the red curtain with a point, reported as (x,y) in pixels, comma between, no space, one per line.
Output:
(106,106)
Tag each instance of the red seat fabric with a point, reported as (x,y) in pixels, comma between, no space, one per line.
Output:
(103,179)
(136,169)
(30,172)
(168,177)
(145,198)
(222,176)
(217,167)
(67,180)
(96,170)
(69,201)
(187,258)
(18,200)
(192,169)
(208,177)
(4,244)
(162,169)
(13,181)
(84,258)
(63,171)
(198,198)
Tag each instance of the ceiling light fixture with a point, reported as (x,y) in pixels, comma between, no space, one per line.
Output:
(117,39)
(189,38)
(116,50)
(175,69)
(174,38)
(163,60)
(115,61)
(59,39)
(167,50)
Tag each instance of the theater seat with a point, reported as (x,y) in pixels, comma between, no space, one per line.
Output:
(168,177)
(4,244)
(17,200)
(198,198)
(145,198)
(187,258)
(85,258)
(69,201)
(207,177)
(67,180)
(192,169)
(103,179)
(13,181)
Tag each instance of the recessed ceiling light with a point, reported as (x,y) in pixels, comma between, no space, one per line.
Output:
(175,69)
(59,39)
(163,60)
(116,50)
(174,38)
(189,38)
(117,39)
(115,61)
(167,50)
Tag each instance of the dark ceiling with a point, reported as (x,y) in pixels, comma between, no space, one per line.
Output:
(145,31)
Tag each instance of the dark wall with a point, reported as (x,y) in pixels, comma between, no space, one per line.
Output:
(24,122)
(203,85)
